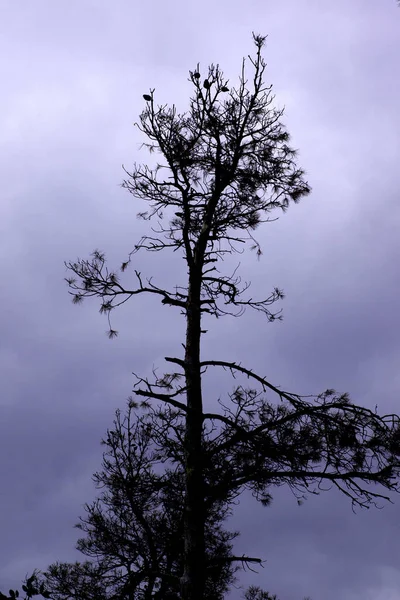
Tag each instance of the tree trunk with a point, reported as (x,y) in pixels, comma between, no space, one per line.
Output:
(193,579)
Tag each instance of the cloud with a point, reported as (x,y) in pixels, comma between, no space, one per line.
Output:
(74,75)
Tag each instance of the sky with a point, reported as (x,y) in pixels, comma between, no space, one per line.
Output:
(73,74)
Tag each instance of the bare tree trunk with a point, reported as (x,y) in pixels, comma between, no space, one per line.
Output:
(192,582)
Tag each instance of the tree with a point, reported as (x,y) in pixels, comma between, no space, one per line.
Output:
(134,530)
(31,586)
(228,164)
(256,593)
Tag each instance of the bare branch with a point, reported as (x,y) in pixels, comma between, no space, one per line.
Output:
(294,399)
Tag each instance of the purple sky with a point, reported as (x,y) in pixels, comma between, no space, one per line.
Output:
(73,76)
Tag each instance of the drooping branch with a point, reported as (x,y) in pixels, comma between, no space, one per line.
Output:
(96,280)
(294,399)
(261,445)
(299,442)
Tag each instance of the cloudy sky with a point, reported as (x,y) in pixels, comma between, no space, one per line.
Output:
(73,74)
